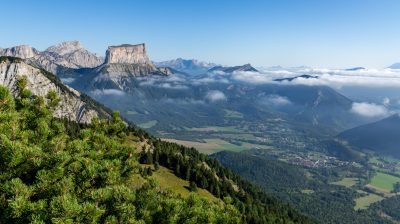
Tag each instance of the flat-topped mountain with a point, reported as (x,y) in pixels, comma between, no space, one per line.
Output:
(128,60)
(127,54)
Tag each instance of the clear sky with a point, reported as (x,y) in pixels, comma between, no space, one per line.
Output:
(319,33)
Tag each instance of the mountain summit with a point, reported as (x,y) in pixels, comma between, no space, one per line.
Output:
(70,54)
(127,54)
(241,68)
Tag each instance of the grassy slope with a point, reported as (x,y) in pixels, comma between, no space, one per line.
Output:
(168,180)
(384,181)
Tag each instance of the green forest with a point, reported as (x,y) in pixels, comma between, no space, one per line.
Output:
(57,171)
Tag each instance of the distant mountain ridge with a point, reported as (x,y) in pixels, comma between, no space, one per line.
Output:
(190,66)
(395,66)
(242,68)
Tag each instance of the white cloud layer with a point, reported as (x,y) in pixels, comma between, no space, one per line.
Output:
(67,80)
(215,95)
(369,110)
(114,92)
(335,78)
(276,100)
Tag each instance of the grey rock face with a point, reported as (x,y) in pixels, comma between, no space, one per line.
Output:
(64,55)
(122,65)
(73,55)
(22,51)
(71,105)
(127,54)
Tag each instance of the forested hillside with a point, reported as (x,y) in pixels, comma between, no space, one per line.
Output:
(56,171)
(309,190)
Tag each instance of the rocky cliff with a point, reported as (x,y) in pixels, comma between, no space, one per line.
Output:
(72,105)
(128,60)
(127,54)
(22,51)
(55,58)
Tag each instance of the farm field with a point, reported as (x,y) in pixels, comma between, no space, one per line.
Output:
(365,201)
(384,181)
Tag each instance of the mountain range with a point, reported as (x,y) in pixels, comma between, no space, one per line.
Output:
(189,66)
(205,103)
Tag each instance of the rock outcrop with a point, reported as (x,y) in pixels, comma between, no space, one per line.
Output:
(127,54)
(55,58)
(121,66)
(72,105)
(73,55)
(21,51)
(128,60)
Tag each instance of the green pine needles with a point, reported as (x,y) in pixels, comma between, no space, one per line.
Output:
(50,174)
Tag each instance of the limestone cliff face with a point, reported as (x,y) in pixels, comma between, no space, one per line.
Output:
(122,65)
(73,55)
(39,82)
(64,55)
(22,51)
(127,54)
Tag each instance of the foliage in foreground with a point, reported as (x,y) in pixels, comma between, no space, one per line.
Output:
(50,175)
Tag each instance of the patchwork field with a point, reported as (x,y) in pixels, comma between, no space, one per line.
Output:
(364,202)
(233,114)
(213,145)
(384,181)
(228,129)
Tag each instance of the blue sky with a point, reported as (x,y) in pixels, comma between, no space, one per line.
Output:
(319,33)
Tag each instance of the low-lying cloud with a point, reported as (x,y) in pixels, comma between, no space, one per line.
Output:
(369,110)
(276,100)
(336,78)
(67,80)
(215,96)
(114,92)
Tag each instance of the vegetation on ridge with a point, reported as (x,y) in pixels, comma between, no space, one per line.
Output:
(56,171)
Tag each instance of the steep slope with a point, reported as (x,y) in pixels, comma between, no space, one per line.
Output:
(123,65)
(67,172)
(306,189)
(382,136)
(73,106)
